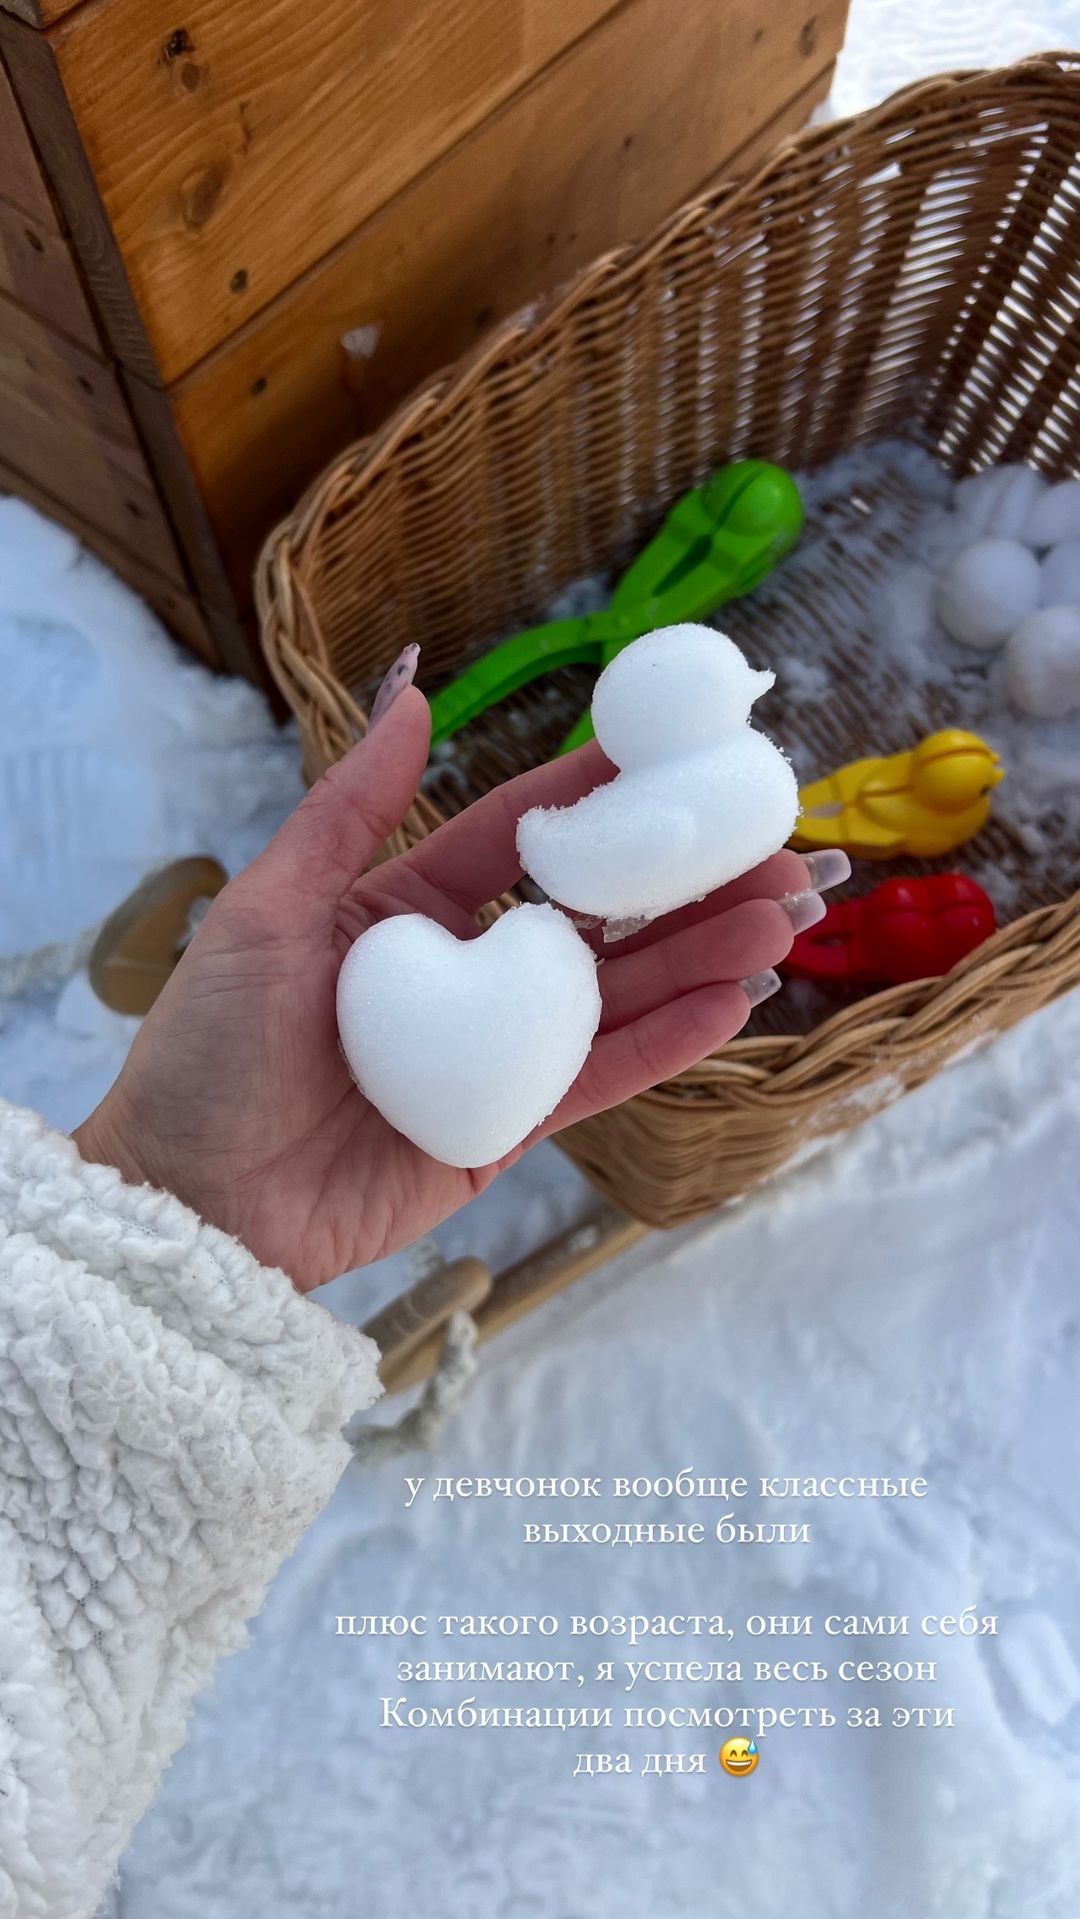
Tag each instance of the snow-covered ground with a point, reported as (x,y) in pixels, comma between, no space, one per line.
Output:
(904,1304)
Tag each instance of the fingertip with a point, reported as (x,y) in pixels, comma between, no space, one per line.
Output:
(591,758)
(413,696)
(768,923)
(716,1016)
(760,986)
(409,707)
(784,873)
(402,732)
(659,1046)
(558,782)
(358,801)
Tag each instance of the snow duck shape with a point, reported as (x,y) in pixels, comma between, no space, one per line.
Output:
(700,796)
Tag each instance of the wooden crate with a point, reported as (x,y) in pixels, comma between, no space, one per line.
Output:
(231,237)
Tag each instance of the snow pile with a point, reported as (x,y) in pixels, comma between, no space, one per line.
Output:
(117,751)
(905,1304)
(995,591)
(972,617)
(1054,515)
(1059,575)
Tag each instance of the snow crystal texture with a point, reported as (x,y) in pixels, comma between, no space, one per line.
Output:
(701,797)
(466,1045)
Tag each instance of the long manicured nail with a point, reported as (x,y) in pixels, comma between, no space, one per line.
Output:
(761,986)
(401,675)
(803,909)
(826,869)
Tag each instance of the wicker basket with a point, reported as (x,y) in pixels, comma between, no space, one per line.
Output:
(910,271)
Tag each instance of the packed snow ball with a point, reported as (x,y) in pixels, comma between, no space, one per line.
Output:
(1015,584)
(986,590)
(1059,575)
(999,501)
(1055,516)
(1042,663)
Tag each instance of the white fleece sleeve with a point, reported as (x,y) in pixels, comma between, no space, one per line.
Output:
(171,1420)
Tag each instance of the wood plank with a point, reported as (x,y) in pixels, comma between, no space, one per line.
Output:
(121,472)
(530,198)
(232,617)
(178,610)
(37,268)
(152,412)
(32,11)
(21,178)
(234,145)
(36,79)
(65,425)
(39,13)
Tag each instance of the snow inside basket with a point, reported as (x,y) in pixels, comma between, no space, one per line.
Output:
(906,274)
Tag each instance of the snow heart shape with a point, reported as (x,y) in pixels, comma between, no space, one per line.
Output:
(466,1045)
(700,797)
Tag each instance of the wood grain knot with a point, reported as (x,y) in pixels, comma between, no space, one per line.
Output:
(178,42)
(200,193)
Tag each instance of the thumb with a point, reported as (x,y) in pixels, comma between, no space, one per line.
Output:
(338,829)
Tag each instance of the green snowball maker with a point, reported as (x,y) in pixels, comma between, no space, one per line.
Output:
(717,543)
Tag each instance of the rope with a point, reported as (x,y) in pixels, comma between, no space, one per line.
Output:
(48,967)
(442,1394)
(197,912)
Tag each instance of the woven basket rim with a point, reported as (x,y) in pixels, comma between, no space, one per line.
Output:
(774,1063)
(435,396)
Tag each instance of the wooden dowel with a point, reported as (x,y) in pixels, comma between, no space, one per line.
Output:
(532,1280)
(417,1316)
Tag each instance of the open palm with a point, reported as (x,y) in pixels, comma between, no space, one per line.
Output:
(236,1096)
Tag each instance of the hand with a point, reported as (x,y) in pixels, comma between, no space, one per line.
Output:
(235,1095)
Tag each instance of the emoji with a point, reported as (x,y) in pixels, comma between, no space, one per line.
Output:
(739,1757)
